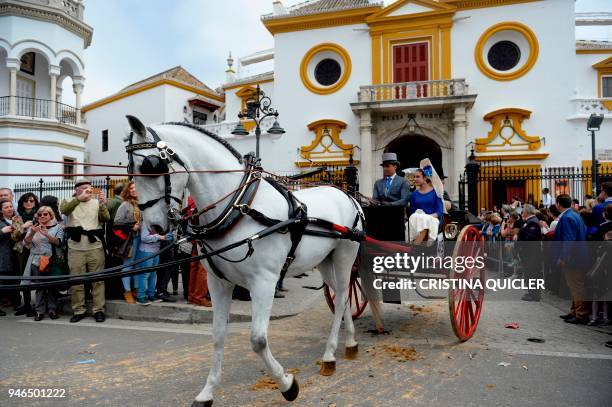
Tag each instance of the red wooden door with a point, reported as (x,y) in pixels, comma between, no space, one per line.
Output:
(411,64)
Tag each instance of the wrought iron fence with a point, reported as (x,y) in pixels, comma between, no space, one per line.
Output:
(65,188)
(498,184)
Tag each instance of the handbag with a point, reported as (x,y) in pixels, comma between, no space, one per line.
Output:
(125,249)
(59,262)
(44,264)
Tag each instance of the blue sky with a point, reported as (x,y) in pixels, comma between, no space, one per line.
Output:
(134,39)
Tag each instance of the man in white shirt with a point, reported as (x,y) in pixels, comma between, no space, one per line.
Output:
(547,200)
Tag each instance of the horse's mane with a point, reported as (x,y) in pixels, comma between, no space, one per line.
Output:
(212,135)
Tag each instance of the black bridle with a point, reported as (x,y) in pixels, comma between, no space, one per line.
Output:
(155,165)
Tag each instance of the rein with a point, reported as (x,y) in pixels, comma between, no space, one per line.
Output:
(239,206)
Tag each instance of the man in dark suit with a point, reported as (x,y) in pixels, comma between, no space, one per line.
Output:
(392,189)
(529,249)
(572,257)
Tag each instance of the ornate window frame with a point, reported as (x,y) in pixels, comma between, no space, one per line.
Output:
(346,68)
(528,35)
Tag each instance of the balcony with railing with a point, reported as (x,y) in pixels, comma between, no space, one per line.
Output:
(38,109)
(422,93)
(584,107)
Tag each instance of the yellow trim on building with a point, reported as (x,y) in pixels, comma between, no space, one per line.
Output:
(603,68)
(346,69)
(594,51)
(327,146)
(433,27)
(512,157)
(502,119)
(384,14)
(245,93)
(472,4)
(124,94)
(242,84)
(528,34)
(320,20)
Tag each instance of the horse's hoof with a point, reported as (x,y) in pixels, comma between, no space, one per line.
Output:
(351,352)
(207,403)
(328,368)
(293,391)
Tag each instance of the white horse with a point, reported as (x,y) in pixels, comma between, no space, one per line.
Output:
(260,272)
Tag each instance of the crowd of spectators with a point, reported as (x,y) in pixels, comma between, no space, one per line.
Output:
(84,234)
(568,258)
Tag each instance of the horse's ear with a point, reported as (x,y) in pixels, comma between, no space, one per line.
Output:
(137,126)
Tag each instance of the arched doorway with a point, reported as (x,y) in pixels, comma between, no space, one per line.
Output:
(411,149)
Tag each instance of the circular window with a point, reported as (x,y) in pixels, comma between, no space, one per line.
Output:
(506,51)
(504,55)
(327,72)
(325,68)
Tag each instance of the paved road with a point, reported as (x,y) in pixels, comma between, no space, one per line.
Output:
(156,364)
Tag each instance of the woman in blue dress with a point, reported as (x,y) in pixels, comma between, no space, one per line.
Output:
(426,205)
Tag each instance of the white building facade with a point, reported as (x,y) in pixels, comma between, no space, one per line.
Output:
(425,78)
(41,45)
(170,96)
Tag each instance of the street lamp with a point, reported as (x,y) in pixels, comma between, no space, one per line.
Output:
(257,109)
(593,125)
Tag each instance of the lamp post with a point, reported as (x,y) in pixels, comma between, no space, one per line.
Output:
(257,108)
(472,168)
(593,125)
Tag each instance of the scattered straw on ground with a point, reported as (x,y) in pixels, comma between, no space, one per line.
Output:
(419,308)
(268,383)
(401,354)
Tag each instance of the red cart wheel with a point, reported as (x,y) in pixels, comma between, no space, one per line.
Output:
(465,305)
(357,298)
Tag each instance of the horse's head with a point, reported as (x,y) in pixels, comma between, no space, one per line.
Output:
(160,189)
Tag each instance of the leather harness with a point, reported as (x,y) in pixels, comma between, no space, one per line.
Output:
(238,206)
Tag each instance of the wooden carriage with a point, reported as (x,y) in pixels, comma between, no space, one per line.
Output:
(386,223)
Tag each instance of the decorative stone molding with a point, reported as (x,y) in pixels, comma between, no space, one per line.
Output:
(507,133)
(44,125)
(67,14)
(54,70)
(327,143)
(586,107)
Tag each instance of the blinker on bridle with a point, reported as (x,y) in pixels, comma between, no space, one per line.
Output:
(155,165)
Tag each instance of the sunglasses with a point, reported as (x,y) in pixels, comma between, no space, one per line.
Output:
(44,213)
(30,200)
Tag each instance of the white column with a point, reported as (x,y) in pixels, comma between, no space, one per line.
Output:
(459,149)
(54,72)
(77,86)
(365,173)
(13,65)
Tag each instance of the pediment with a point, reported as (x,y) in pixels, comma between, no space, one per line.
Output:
(411,7)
